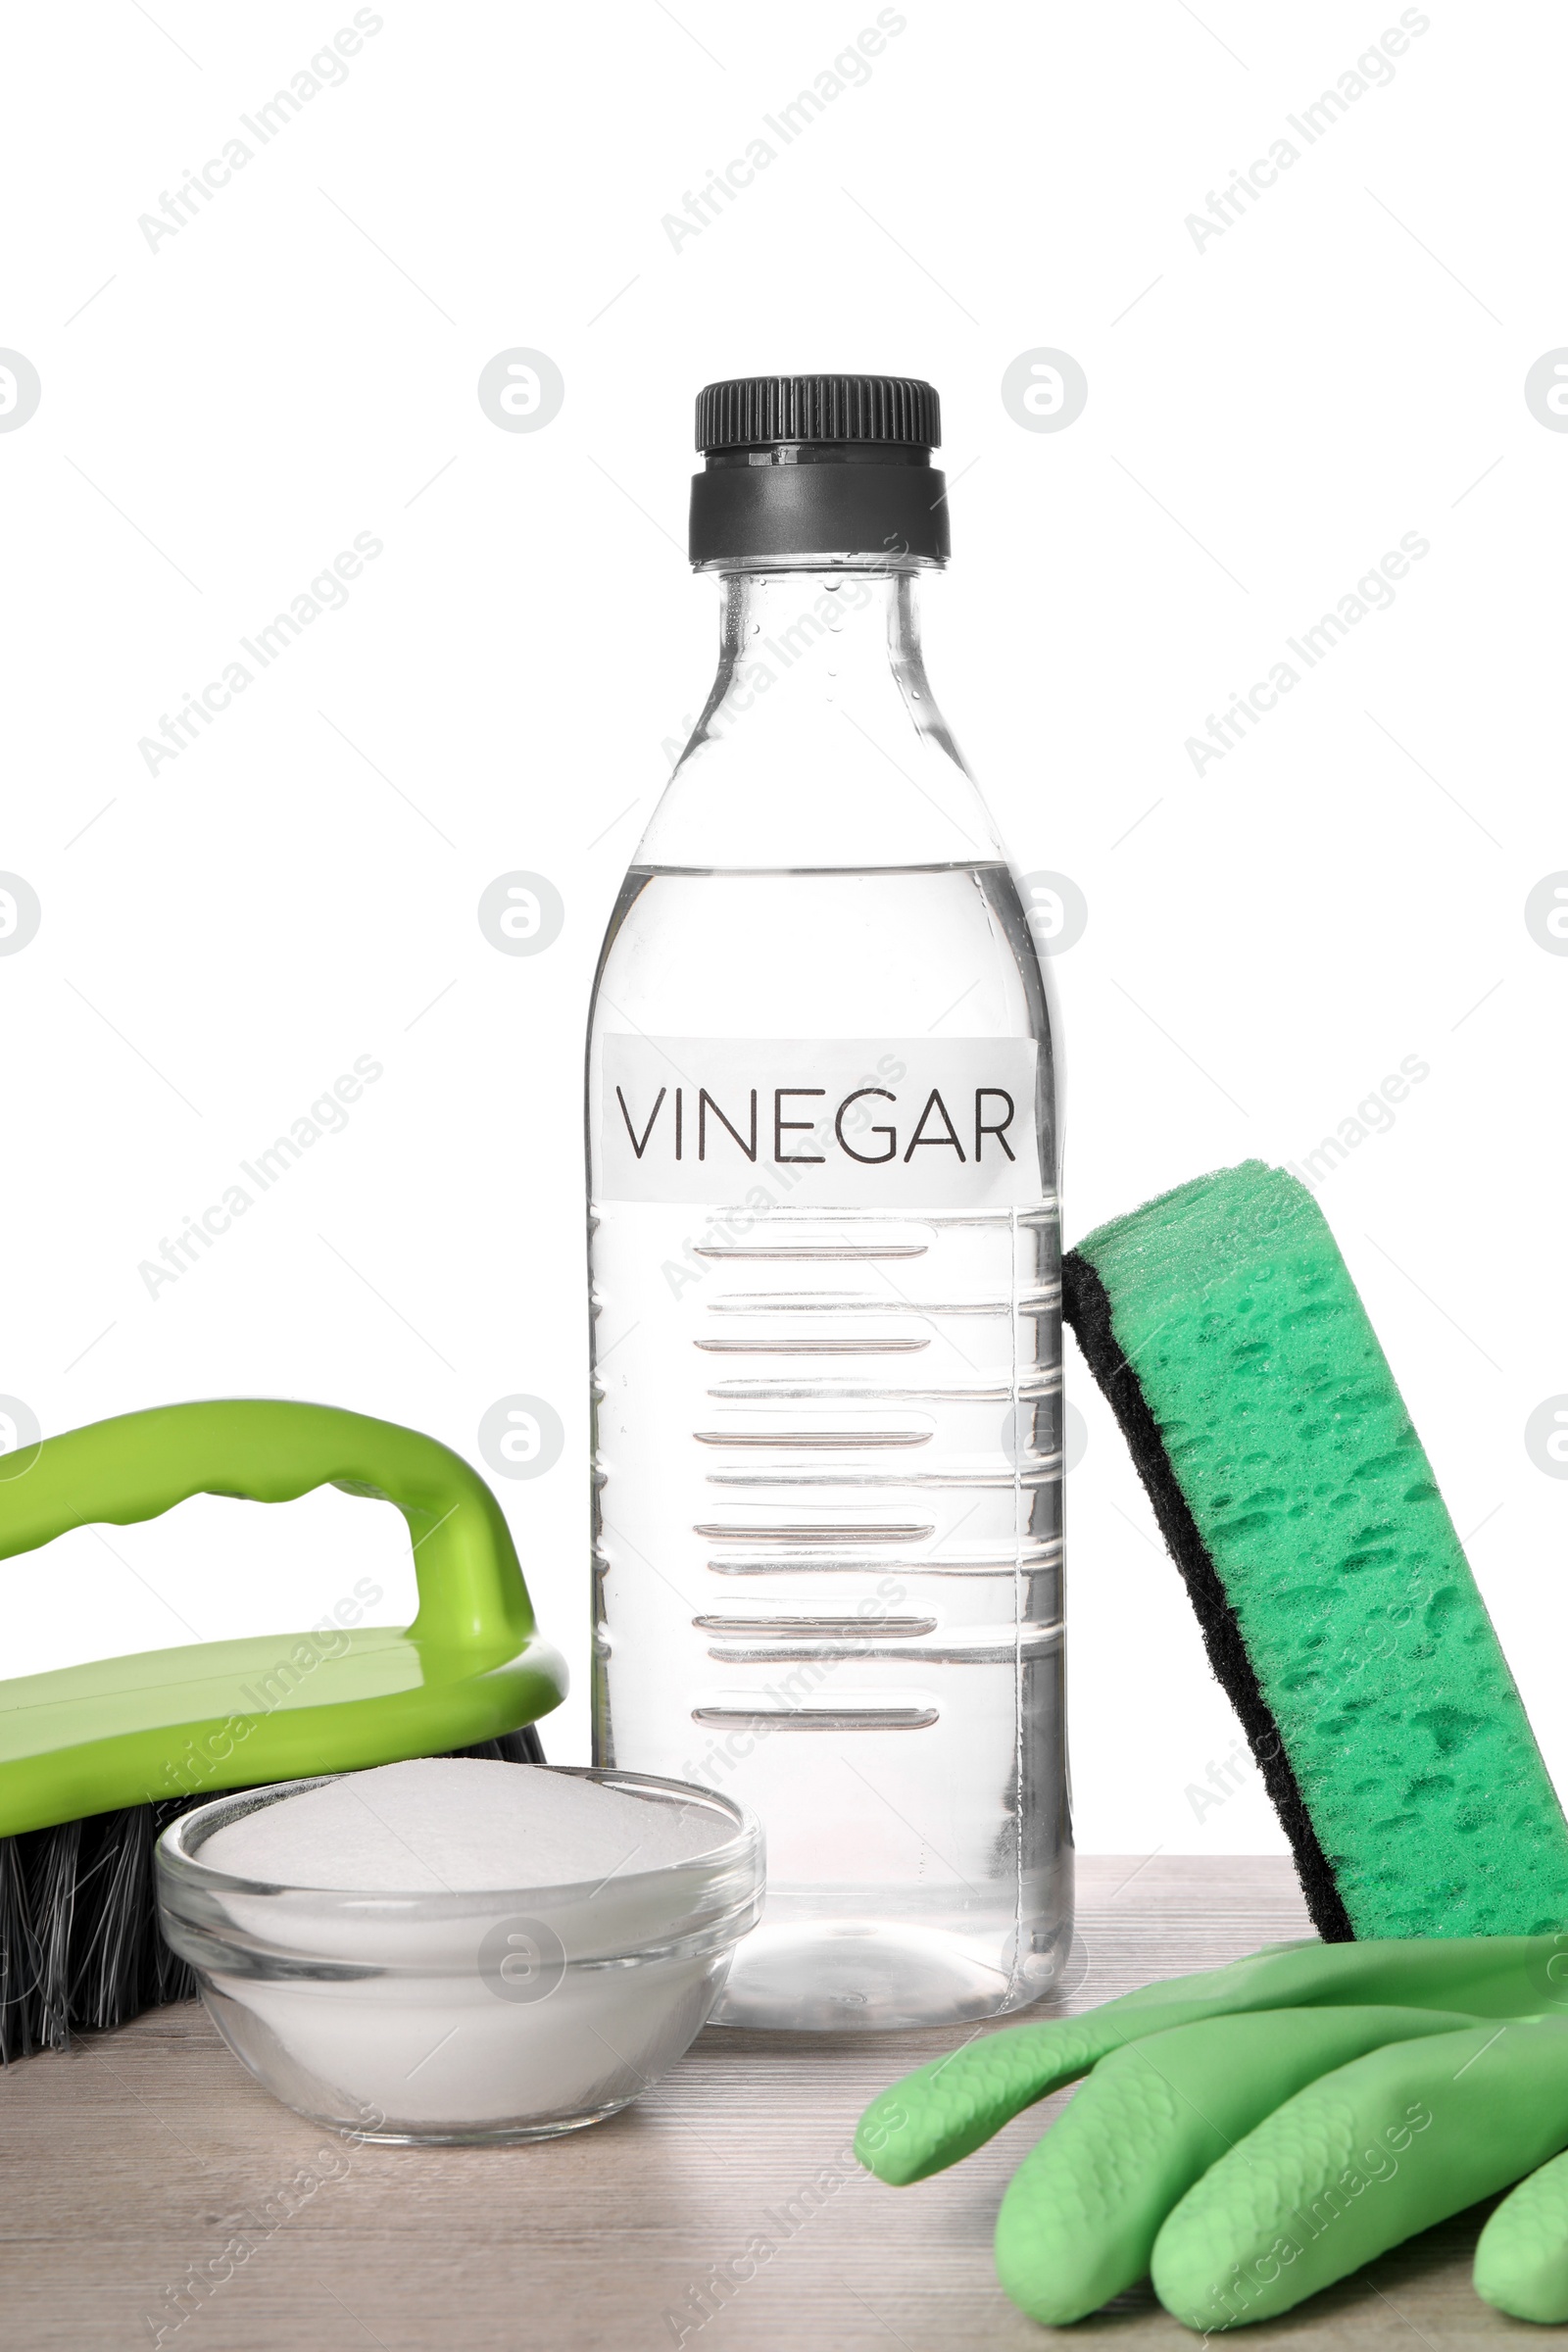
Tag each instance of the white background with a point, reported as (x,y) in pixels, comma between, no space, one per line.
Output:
(298,365)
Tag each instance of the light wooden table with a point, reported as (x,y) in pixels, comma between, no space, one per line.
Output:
(141,2154)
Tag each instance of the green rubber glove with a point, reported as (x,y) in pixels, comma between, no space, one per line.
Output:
(1252,2134)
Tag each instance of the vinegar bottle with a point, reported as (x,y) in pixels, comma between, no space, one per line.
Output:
(826,1258)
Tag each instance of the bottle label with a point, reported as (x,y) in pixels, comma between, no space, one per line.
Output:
(877,1122)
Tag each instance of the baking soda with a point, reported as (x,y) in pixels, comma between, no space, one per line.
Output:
(460,1825)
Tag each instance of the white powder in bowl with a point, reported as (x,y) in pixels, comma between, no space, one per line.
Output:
(458,1825)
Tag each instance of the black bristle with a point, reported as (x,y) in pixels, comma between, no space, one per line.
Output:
(52,1874)
(21,1962)
(512,1747)
(164,1977)
(79,1940)
(113,1891)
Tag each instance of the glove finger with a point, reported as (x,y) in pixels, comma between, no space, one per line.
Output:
(946,2110)
(1080,2215)
(1482,1976)
(1522,2253)
(1359,2160)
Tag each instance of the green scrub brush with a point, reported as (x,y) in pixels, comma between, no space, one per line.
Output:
(95,1759)
(1334,1599)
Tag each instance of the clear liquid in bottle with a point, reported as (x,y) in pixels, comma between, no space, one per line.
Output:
(825,1263)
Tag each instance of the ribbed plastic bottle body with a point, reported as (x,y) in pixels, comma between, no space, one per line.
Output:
(824,1250)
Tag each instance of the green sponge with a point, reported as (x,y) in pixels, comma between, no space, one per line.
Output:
(1335,1601)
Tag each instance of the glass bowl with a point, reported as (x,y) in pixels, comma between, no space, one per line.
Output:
(491,2016)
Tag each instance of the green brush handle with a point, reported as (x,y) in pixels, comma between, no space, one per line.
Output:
(188,1722)
(140,1466)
